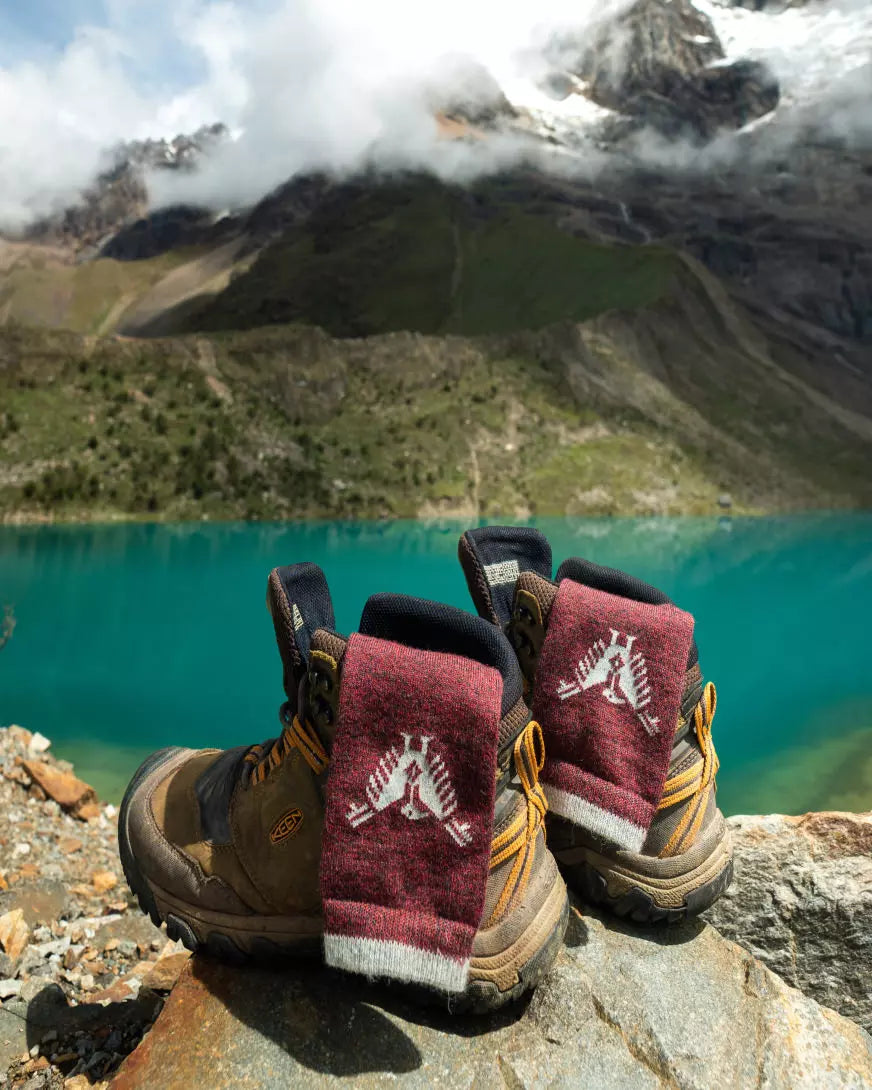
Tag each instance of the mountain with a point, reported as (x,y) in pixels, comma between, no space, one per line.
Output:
(671,331)
(662,408)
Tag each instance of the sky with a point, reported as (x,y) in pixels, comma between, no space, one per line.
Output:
(324,84)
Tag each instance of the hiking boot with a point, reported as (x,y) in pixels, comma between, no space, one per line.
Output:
(226,847)
(681,856)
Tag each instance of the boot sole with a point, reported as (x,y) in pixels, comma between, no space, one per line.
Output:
(505,977)
(655,891)
(493,981)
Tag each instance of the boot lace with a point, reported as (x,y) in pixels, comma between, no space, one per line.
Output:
(697,782)
(298,735)
(521,837)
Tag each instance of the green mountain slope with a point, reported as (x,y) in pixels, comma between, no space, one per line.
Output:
(422,256)
(656,409)
(45,287)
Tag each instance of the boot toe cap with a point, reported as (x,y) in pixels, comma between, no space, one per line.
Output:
(152,851)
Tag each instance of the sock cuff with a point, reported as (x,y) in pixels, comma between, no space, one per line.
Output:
(398,944)
(597,806)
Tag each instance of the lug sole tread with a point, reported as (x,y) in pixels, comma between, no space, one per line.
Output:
(637,905)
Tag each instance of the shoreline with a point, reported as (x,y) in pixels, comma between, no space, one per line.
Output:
(448,518)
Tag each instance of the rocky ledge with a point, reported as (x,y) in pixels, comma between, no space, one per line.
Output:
(82,971)
(83,976)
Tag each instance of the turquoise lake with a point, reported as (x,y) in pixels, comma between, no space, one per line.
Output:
(132,637)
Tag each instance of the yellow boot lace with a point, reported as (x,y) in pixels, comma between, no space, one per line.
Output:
(521,837)
(695,783)
(295,735)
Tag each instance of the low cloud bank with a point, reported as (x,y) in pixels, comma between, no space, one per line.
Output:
(335,85)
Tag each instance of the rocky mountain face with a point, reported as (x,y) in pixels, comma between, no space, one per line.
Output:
(770,5)
(119,195)
(660,65)
(754,186)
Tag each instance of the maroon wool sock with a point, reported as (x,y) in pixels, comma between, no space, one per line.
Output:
(609,684)
(409,817)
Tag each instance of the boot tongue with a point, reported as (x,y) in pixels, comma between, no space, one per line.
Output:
(298,599)
(319,691)
(618,583)
(431,626)
(492,558)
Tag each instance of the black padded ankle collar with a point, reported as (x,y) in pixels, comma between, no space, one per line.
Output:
(492,558)
(431,626)
(613,581)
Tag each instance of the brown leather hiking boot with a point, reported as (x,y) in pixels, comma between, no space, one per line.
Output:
(684,860)
(226,847)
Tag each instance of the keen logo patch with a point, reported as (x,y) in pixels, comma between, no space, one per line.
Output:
(287,826)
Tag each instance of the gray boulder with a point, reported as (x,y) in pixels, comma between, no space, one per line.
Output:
(801,902)
(680,1008)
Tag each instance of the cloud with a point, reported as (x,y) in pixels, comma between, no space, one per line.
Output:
(304,84)
(328,84)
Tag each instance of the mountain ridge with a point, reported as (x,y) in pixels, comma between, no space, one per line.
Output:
(699,317)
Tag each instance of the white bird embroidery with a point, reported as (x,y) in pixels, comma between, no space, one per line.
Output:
(419,779)
(622,673)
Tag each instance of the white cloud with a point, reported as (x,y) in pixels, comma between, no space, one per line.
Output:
(308,84)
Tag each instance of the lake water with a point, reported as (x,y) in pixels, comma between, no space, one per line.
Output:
(134,637)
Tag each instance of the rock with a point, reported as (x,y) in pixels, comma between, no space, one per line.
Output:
(647,49)
(165,973)
(680,1008)
(46,1008)
(14,933)
(135,929)
(41,902)
(700,106)
(653,64)
(801,902)
(119,196)
(13,1037)
(39,743)
(103,881)
(8,988)
(764,5)
(64,788)
(725,500)
(120,991)
(19,735)
(466,91)
(69,844)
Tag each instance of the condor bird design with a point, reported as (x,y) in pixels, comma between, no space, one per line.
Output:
(420,782)
(622,673)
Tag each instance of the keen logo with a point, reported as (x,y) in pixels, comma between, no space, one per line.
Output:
(287,826)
